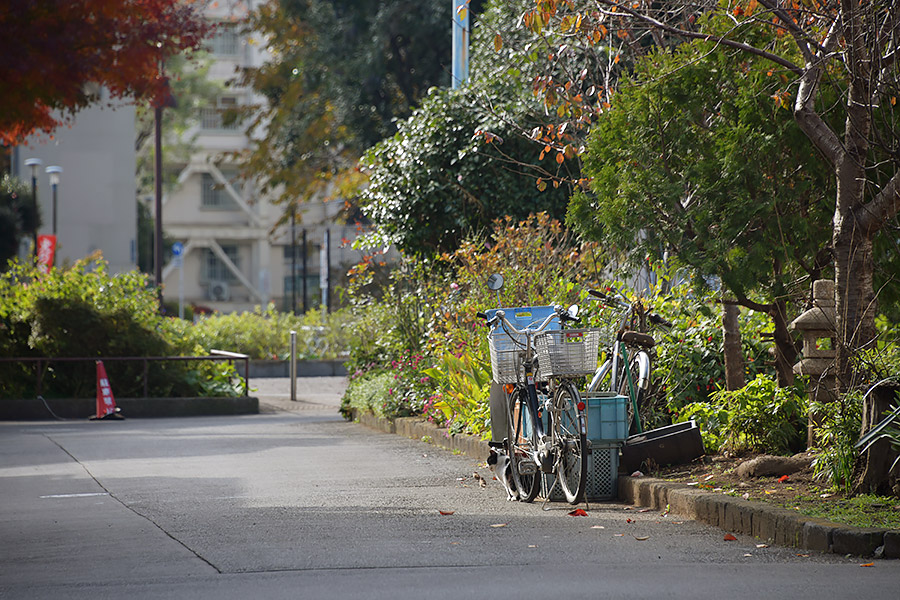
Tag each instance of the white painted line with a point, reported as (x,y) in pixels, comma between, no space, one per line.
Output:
(77,495)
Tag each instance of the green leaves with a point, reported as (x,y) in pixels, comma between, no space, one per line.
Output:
(693,157)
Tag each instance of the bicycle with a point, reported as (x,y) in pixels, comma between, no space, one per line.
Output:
(540,397)
(627,368)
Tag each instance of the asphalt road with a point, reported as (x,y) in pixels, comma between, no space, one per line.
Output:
(298,503)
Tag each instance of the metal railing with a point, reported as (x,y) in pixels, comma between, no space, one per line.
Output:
(43,362)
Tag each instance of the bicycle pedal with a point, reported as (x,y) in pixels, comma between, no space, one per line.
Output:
(496,445)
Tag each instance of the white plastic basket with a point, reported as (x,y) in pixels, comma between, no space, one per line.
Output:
(567,352)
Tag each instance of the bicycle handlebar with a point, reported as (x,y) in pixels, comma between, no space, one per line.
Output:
(619,303)
(500,315)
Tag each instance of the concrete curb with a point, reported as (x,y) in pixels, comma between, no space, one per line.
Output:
(770,524)
(774,525)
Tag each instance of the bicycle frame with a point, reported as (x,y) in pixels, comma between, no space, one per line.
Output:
(620,365)
(527,362)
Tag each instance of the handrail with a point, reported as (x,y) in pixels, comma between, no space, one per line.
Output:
(43,361)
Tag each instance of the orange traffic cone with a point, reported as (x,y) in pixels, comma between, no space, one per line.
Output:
(106,403)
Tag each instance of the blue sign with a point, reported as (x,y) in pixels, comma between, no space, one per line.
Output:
(177,249)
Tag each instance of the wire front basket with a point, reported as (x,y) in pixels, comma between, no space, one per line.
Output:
(506,356)
(567,352)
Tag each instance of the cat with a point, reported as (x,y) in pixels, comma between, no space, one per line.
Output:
(500,465)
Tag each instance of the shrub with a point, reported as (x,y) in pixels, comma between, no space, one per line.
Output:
(265,334)
(836,436)
(85,312)
(759,417)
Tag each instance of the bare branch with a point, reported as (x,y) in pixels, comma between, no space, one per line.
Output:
(770,56)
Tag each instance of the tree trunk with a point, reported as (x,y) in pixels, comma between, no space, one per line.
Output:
(785,348)
(734,358)
(854,296)
(873,474)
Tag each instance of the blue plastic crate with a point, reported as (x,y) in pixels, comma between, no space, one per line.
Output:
(525,316)
(607,417)
(506,347)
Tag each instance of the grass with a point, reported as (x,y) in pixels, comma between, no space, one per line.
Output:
(859,511)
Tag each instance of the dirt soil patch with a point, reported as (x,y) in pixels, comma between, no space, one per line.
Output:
(798,491)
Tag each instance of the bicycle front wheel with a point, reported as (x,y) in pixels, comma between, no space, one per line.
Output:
(521,446)
(570,439)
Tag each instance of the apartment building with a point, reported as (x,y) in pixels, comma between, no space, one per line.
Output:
(92,206)
(232,256)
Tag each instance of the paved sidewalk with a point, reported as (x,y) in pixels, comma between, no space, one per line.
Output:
(768,524)
(274,393)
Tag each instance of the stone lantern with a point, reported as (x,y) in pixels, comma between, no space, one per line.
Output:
(818,329)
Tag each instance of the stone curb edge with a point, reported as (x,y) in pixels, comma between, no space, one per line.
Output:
(774,525)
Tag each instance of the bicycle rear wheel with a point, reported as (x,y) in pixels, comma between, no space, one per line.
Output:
(570,440)
(521,446)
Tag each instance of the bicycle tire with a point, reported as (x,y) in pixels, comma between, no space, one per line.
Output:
(521,446)
(570,439)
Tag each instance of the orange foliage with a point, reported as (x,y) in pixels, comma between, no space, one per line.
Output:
(52,49)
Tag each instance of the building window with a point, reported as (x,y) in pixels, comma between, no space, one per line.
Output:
(212,118)
(225,41)
(213,194)
(216,269)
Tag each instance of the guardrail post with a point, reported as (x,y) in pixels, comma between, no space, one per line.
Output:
(293,366)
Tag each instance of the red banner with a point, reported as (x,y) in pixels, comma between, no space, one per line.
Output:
(45,252)
(106,404)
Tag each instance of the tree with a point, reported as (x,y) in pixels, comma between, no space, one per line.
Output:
(54,50)
(341,73)
(466,156)
(18,216)
(848,46)
(694,160)
(436,181)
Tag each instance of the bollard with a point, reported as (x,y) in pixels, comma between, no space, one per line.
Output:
(293,368)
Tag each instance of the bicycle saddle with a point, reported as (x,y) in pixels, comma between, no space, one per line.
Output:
(638,339)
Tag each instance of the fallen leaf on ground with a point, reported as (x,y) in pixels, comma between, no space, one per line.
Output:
(637,474)
(578,512)
(708,477)
(618,535)
(803,555)
(762,545)
(645,510)
(446,512)
(499,525)
(747,555)
(867,565)
(641,538)
(598,527)
(784,479)
(693,483)
(826,495)
(730,538)
(629,521)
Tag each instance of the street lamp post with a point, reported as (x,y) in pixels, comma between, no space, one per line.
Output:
(34,163)
(54,172)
